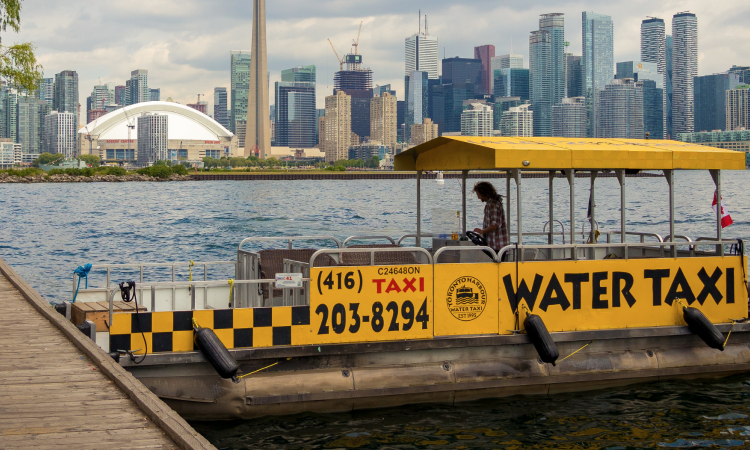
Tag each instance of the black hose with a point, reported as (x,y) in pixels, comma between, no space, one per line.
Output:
(126,287)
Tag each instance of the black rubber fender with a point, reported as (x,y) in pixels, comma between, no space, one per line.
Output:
(700,325)
(216,353)
(537,332)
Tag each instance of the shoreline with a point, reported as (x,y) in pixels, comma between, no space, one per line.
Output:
(283,176)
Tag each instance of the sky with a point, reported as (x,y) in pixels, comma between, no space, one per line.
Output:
(185,44)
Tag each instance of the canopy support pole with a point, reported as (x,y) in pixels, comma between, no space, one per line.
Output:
(716,175)
(519,232)
(669,175)
(551,208)
(592,208)
(621,178)
(571,176)
(508,223)
(464,173)
(419,208)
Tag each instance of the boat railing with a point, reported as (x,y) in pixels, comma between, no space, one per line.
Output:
(113,270)
(488,252)
(368,238)
(680,237)
(590,251)
(297,297)
(400,240)
(221,289)
(289,239)
(641,235)
(552,229)
(372,256)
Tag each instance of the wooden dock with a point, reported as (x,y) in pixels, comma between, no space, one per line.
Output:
(58,389)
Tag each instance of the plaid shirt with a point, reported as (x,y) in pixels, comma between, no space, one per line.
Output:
(495,215)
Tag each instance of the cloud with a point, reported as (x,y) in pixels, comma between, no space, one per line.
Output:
(185,44)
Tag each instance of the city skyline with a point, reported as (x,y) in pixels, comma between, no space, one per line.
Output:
(185,60)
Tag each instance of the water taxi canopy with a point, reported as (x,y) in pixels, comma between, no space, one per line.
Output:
(538,153)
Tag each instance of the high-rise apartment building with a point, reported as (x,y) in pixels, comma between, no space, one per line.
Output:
(301,74)
(416,87)
(710,94)
(569,118)
(501,105)
(383,116)
(47,90)
(338,126)
(511,83)
(477,120)
(295,114)
(221,113)
(66,93)
(738,108)
(546,70)
(485,53)
(356,81)
(518,121)
(137,87)
(60,133)
(154,94)
(423,132)
(153,135)
(9,115)
(647,73)
(597,62)
(509,61)
(240,87)
(31,114)
(573,76)
(743,72)
(654,50)
(620,114)
(120,95)
(447,101)
(669,130)
(421,55)
(684,69)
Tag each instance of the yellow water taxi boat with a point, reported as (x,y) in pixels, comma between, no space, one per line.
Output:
(325,324)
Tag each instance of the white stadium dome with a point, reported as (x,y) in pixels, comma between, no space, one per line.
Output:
(184,123)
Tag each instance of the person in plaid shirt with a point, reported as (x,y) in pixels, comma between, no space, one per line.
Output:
(494,228)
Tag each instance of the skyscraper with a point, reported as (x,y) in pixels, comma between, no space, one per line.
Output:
(155,94)
(305,74)
(356,82)
(710,93)
(477,120)
(47,90)
(152,138)
(66,98)
(60,133)
(569,118)
(258,135)
(654,50)
(421,54)
(295,114)
(620,112)
(669,130)
(597,62)
(485,53)
(463,70)
(738,108)
(684,69)
(573,76)
(31,113)
(509,61)
(239,87)
(416,87)
(546,70)
(338,126)
(652,84)
(518,121)
(137,87)
(221,114)
(383,115)
(423,132)
(511,83)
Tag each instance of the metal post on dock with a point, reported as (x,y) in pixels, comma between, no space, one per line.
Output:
(621,178)
(592,208)
(571,176)
(716,175)
(519,232)
(419,208)
(669,175)
(551,207)
(507,202)
(464,173)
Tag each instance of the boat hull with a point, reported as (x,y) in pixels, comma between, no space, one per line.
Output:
(345,377)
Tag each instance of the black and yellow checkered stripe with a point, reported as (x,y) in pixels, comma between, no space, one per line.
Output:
(172,331)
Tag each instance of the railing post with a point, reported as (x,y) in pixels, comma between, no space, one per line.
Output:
(570,175)
(551,207)
(716,175)
(508,223)
(519,211)
(669,175)
(464,174)
(419,208)
(621,178)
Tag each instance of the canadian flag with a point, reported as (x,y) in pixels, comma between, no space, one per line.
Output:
(726,219)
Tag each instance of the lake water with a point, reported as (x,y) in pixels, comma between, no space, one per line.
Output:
(47,230)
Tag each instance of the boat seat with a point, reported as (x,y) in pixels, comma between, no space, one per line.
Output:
(272,262)
(381,258)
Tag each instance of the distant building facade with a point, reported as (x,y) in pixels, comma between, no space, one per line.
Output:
(646,73)
(597,63)
(416,102)
(511,83)
(738,108)
(621,110)
(295,114)
(152,138)
(477,120)
(485,53)
(518,121)
(240,88)
(60,133)
(684,70)
(710,94)
(338,131)
(423,132)
(221,113)
(569,118)
(383,115)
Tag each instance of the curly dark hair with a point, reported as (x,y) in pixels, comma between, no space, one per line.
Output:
(486,189)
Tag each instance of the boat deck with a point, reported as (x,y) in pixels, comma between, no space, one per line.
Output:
(59,390)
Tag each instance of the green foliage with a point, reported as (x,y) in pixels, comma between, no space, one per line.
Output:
(87,172)
(237,162)
(18,64)
(47,159)
(91,160)
(335,168)
(209,162)
(179,169)
(29,171)
(160,163)
(156,171)
(117,171)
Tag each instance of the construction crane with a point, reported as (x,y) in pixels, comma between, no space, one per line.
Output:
(131,126)
(341,61)
(199,99)
(355,44)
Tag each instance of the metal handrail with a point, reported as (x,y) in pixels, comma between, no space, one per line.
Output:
(372,252)
(463,249)
(678,236)
(724,241)
(552,229)
(366,238)
(413,235)
(624,245)
(641,234)
(289,239)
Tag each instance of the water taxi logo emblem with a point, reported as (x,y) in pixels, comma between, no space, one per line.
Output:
(466,298)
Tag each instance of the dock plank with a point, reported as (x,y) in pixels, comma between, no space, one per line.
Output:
(59,393)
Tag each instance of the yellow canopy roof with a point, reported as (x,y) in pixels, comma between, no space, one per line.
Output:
(487,153)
